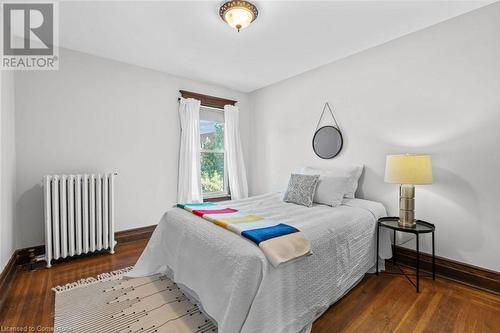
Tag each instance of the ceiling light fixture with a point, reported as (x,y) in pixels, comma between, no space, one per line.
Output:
(238,14)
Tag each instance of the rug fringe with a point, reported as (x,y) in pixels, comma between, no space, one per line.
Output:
(91,280)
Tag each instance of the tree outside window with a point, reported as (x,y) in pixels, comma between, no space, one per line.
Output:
(212,159)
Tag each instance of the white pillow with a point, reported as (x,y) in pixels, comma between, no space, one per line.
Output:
(331,190)
(351,172)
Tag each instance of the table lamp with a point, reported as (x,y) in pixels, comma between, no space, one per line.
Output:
(408,170)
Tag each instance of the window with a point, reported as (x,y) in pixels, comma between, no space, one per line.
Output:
(212,159)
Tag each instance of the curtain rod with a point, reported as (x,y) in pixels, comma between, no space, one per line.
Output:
(208,107)
(212,108)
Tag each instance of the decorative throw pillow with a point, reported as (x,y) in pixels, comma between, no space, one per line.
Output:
(351,172)
(301,189)
(331,190)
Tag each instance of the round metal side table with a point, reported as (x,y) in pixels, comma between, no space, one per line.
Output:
(421,227)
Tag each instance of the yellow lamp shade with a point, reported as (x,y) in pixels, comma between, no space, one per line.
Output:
(408,169)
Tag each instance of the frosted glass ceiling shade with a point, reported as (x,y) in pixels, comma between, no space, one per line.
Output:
(238,14)
(408,169)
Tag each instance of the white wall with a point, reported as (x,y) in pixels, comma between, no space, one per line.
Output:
(97,115)
(7,168)
(436,91)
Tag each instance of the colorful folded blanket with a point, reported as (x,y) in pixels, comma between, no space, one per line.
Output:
(279,242)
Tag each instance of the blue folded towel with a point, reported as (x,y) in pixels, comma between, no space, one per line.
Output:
(263,234)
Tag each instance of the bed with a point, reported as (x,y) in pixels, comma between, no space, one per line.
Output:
(237,286)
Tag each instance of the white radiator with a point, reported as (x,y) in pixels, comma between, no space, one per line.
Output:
(79,214)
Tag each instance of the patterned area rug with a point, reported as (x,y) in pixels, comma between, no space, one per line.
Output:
(111,303)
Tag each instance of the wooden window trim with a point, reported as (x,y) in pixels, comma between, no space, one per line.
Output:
(206,100)
(216,199)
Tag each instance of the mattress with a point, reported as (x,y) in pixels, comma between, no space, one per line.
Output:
(240,289)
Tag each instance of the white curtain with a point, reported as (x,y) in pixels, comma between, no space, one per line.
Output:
(237,174)
(189,186)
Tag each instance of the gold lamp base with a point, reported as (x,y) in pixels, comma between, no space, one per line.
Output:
(407,206)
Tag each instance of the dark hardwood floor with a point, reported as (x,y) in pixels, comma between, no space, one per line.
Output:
(385,303)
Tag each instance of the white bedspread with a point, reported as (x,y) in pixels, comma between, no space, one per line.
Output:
(240,289)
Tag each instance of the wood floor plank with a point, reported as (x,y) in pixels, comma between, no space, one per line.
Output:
(384,303)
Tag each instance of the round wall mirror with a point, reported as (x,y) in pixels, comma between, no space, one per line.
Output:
(327,142)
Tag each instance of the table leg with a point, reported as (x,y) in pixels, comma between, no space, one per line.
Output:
(378,227)
(418,260)
(394,248)
(433,259)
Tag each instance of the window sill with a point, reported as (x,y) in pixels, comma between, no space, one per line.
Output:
(218,198)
